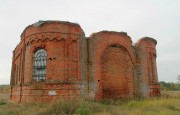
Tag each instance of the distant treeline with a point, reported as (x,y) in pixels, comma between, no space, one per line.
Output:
(4,88)
(169,86)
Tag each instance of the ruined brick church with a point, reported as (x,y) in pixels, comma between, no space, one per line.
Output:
(54,59)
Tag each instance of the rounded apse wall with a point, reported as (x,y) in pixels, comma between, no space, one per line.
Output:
(60,40)
(46,62)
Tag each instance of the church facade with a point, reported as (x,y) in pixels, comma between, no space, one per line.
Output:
(54,59)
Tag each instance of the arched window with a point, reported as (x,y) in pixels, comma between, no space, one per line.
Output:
(40,65)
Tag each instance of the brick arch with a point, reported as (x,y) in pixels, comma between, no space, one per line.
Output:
(116,73)
(35,47)
(108,43)
(39,64)
(123,47)
(98,53)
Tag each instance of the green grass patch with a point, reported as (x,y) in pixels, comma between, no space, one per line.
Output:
(83,109)
(2,102)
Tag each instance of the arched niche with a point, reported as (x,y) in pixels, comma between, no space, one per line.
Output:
(116,73)
(74,60)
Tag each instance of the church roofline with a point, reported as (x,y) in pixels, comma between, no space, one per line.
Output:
(41,22)
(110,32)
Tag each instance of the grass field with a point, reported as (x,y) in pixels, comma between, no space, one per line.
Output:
(167,104)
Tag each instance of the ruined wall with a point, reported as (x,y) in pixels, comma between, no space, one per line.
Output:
(103,66)
(61,42)
(146,67)
(146,63)
(111,70)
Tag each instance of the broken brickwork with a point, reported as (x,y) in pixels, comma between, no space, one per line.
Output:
(103,66)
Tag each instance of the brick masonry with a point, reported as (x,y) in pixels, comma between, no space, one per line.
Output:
(103,66)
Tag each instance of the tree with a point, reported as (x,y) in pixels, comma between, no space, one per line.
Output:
(170,86)
(178,78)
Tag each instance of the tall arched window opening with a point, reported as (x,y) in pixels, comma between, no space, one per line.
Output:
(40,65)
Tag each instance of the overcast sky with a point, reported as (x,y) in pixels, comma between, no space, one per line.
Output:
(159,19)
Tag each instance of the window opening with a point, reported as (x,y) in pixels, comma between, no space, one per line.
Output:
(40,65)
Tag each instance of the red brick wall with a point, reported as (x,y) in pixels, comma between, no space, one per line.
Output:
(116,73)
(100,44)
(104,66)
(61,43)
(146,63)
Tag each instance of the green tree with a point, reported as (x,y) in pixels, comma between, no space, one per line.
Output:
(169,86)
(178,78)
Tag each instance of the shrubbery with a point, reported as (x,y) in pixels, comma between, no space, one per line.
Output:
(170,86)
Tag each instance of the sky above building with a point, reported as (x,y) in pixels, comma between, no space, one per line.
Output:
(159,19)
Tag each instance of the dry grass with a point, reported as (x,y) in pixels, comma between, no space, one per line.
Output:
(170,94)
(4,96)
(62,106)
(168,104)
(4,89)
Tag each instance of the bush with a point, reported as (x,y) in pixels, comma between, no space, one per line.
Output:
(63,106)
(83,110)
(2,102)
